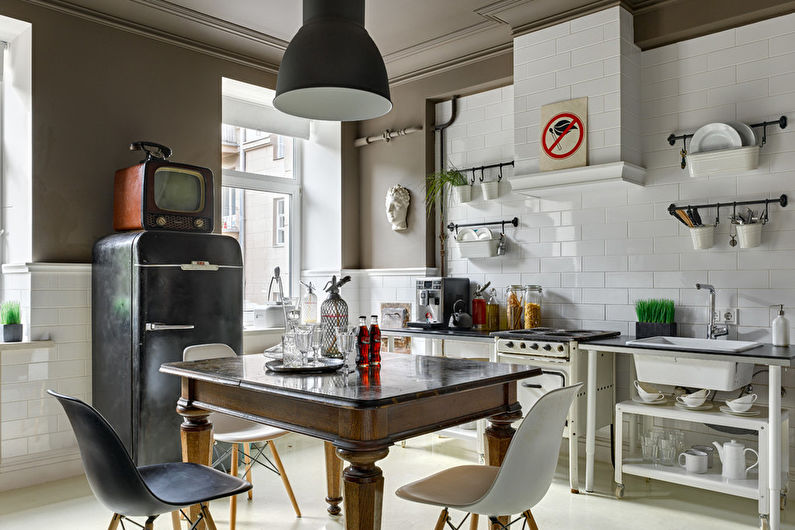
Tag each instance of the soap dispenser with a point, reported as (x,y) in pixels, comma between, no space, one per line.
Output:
(781,328)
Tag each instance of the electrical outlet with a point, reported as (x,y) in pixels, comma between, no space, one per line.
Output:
(727,316)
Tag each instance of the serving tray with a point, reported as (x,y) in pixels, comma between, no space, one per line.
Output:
(329,365)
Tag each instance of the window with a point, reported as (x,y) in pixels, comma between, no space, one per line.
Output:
(278,150)
(279,221)
(258,200)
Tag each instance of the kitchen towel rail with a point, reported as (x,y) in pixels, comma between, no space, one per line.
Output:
(782,201)
(453,227)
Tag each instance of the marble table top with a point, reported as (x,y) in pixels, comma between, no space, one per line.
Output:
(401,377)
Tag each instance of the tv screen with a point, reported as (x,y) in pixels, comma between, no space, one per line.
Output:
(178,190)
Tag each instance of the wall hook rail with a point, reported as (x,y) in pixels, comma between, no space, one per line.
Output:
(782,201)
(453,227)
(672,138)
(483,169)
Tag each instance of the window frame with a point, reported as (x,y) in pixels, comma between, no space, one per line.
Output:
(290,186)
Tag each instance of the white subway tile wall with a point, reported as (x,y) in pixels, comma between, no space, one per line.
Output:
(32,424)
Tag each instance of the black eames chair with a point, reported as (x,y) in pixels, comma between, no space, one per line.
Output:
(146,491)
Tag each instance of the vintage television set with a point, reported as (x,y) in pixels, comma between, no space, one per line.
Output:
(158,194)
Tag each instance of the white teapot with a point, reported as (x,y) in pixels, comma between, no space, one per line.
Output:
(732,456)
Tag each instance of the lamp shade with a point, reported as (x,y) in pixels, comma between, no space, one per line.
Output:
(332,69)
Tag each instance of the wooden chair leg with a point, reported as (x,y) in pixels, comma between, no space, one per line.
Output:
(114,522)
(530,521)
(175,520)
(247,461)
(441,521)
(285,480)
(207,517)
(150,523)
(473,521)
(233,498)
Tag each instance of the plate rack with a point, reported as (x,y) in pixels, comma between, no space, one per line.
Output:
(672,138)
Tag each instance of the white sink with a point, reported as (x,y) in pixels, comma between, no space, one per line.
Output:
(689,343)
(687,372)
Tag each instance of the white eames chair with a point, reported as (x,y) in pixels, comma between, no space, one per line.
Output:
(516,486)
(236,431)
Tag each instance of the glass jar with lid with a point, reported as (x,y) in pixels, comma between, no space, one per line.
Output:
(514,304)
(532,306)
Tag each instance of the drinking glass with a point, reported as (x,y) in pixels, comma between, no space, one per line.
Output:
(291,357)
(649,448)
(303,341)
(317,341)
(346,344)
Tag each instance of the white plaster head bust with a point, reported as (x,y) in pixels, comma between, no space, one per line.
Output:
(397,206)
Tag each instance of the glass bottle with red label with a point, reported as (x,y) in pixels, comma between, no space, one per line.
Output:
(363,343)
(375,341)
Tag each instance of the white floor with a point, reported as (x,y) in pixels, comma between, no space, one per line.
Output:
(68,504)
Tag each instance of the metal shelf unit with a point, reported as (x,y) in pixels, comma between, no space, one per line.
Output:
(754,487)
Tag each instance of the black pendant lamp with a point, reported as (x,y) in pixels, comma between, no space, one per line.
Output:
(332,69)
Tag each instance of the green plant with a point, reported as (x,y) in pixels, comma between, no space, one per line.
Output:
(435,183)
(9,312)
(655,310)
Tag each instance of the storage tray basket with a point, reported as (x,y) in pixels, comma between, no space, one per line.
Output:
(482,248)
(723,161)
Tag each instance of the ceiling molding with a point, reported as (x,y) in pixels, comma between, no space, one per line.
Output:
(453,36)
(451,64)
(68,8)
(219,24)
(492,11)
(565,16)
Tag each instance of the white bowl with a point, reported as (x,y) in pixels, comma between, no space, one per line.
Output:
(691,400)
(742,404)
(647,392)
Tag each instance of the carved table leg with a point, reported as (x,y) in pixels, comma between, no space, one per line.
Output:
(196,433)
(364,488)
(498,436)
(333,479)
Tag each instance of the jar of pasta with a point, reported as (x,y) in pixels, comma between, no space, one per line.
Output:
(532,306)
(514,304)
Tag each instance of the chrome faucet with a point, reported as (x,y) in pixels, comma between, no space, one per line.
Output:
(714,330)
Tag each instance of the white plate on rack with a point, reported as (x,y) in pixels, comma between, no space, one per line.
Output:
(705,406)
(467,234)
(753,411)
(715,137)
(484,233)
(745,131)
(662,401)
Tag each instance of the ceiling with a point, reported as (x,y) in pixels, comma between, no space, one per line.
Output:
(416,37)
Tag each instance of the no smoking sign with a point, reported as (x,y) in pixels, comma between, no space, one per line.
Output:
(564,135)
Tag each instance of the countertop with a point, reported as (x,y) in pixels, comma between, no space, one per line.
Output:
(400,378)
(449,334)
(764,354)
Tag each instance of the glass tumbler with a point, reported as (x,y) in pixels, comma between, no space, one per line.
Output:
(291,357)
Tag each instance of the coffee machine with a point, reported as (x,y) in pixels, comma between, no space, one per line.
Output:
(434,300)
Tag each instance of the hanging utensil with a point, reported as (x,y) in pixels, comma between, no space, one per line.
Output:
(733,226)
(502,245)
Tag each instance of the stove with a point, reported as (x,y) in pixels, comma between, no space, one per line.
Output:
(563,361)
(546,342)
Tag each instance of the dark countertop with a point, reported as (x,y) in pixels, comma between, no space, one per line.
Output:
(764,354)
(452,334)
(401,377)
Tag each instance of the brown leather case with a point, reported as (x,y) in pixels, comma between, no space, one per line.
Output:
(128,193)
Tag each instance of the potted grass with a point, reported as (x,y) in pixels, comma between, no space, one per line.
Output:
(457,182)
(12,323)
(655,318)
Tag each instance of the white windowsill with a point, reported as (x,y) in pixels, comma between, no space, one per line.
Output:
(26,345)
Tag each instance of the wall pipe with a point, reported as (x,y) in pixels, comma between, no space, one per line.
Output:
(386,136)
(442,158)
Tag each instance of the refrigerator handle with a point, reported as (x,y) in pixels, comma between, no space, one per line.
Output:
(159,326)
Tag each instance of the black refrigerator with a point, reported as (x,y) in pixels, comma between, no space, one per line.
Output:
(153,294)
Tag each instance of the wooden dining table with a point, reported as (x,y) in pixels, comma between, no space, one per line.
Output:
(359,415)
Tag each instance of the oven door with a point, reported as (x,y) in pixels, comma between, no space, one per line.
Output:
(555,374)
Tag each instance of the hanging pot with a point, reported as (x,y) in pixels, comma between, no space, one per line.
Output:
(491,189)
(462,193)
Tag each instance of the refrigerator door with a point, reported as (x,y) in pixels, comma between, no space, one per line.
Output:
(182,308)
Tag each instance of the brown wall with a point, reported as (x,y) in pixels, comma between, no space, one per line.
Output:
(405,161)
(96,89)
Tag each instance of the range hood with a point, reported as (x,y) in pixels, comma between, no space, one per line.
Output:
(593,56)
